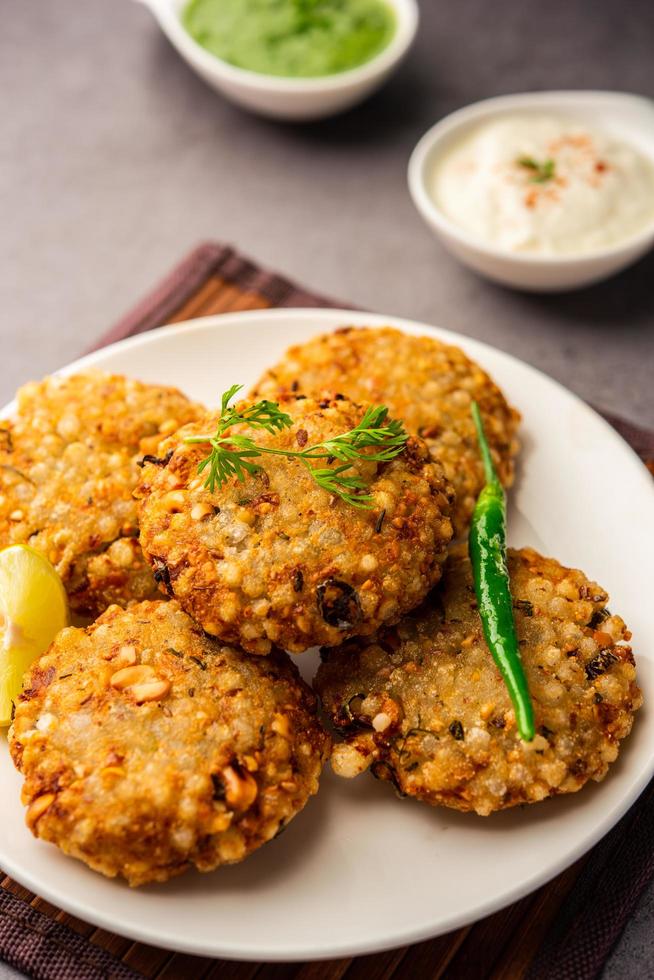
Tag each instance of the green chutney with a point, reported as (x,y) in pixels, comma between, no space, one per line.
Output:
(291,38)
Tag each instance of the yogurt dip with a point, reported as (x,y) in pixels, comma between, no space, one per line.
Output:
(544,185)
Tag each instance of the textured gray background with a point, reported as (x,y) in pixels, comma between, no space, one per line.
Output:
(115,159)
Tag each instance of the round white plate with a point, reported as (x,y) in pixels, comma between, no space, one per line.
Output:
(358,870)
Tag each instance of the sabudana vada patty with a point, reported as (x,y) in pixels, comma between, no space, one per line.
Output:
(279,560)
(423,381)
(148,747)
(68,466)
(425,706)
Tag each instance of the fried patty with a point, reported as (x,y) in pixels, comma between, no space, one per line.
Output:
(277,559)
(425,706)
(148,748)
(68,466)
(421,380)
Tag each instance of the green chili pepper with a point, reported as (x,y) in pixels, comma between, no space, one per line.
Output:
(487,547)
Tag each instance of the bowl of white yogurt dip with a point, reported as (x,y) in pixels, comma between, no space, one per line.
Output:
(542,191)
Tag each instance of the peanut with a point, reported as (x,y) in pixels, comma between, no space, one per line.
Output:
(38,808)
(280,725)
(174,501)
(126,656)
(201,510)
(129,676)
(240,788)
(220,822)
(141,682)
(150,691)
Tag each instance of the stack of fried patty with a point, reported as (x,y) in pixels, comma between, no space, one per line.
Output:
(175,732)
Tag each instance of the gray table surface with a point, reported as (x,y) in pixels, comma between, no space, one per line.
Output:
(115,159)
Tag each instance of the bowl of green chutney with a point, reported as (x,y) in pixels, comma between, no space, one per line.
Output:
(290,59)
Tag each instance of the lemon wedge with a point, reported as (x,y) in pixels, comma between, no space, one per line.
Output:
(33,608)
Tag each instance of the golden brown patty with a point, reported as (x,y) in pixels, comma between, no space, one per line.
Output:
(421,380)
(68,466)
(425,705)
(277,559)
(148,747)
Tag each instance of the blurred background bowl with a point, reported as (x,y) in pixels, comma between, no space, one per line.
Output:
(294,99)
(623,116)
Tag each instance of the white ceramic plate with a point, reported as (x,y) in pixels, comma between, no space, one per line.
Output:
(359,871)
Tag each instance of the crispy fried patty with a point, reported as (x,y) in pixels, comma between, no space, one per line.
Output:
(425,706)
(68,466)
(148,748)
(277,559)
(423,381)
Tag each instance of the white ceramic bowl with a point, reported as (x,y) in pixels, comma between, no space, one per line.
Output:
(295,99)
(627,117)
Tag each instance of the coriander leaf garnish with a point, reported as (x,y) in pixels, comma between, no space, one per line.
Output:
(232,454)
(262,415)
(540,172)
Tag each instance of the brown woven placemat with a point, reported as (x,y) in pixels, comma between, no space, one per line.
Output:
(563,931)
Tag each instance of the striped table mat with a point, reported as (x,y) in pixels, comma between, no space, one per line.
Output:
(563,931)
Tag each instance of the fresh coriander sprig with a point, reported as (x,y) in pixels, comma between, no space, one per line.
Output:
(262,415)
(232,454)
(540,172)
